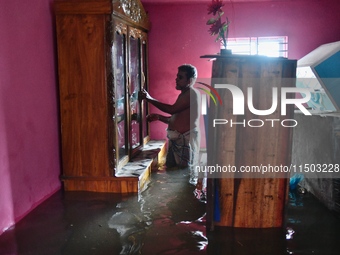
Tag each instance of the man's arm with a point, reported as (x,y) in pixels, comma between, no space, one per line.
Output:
(155,116)
(182,102)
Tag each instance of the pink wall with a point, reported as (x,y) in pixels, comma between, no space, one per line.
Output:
(179,35)
(29,153)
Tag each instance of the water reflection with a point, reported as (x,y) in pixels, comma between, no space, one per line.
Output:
(131,229)
(158,222)
(168,219)
(290,233)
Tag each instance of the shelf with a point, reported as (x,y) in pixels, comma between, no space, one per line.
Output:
(132,178)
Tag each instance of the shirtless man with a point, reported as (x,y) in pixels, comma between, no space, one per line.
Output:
(183,122)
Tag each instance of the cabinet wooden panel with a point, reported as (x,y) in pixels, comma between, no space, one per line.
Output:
(83,95)
(101,65)
(245,200)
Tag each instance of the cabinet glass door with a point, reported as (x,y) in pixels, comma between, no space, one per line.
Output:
(145,125)
(135,87)
(120,86)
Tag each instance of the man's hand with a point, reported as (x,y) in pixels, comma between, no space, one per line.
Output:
(143,94)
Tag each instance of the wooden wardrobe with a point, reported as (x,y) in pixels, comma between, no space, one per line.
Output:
(102,65)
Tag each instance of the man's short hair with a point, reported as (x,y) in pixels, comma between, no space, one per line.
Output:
(190,70)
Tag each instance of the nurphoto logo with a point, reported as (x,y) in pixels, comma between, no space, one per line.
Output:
(238,104)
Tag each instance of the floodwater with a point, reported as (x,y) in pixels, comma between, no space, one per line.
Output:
(164,219)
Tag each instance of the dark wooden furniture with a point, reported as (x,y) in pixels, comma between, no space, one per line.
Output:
(245,200)
(102,65)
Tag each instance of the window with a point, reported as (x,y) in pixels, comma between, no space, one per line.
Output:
(273,46)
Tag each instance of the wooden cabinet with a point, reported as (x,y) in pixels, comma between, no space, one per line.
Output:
(102,65)
(249,140)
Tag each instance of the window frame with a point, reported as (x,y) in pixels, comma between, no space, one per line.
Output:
(252,45)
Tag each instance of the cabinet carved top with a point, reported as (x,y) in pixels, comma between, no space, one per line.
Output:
(131,10)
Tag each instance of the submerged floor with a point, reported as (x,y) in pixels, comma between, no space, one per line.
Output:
(165,219)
